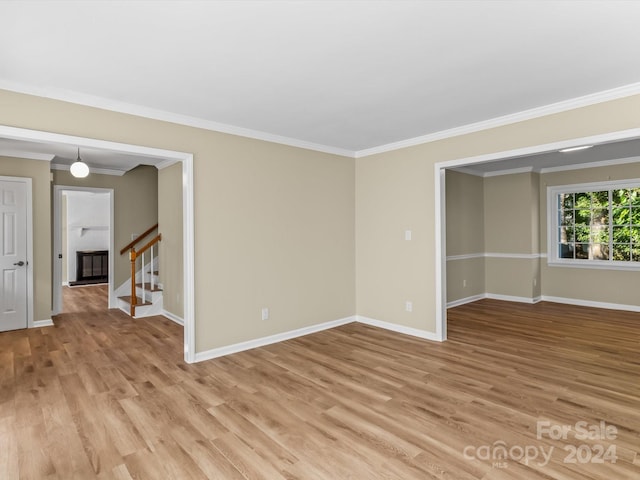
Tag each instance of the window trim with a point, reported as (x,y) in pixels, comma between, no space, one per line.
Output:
(553,260)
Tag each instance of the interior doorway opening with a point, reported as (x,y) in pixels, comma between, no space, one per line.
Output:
(83,228)
(440,201)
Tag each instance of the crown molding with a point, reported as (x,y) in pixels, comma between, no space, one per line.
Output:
(99,171)
(553,108)
(508,171)
(156,114)
(602,163)
(162,115)
(46,157)
(166,163)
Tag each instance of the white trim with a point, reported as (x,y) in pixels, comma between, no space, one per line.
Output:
(57,243)
(441,253)
(546,298)
(464,301)
(42,323)
(261,342)
(558,107)
(172,317)
(580,166)
(30,261)
(394,327)
(608,184)
(591,303)
(166,163)
(187,205)
(529,256)
(512,298)
(509,171)
(594,264)
(99,171)
(188,259)
(156,114)
(46,157)
(467,256)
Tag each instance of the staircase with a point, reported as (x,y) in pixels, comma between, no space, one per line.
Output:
(148,297)
(144,297)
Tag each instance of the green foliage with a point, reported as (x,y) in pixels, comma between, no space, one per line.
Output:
(600,225)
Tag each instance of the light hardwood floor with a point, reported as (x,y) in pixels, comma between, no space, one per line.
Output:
(103,396)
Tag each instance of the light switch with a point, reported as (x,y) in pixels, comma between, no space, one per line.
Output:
(407,234)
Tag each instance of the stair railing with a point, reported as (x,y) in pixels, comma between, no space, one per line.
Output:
(138,239)
(133,256)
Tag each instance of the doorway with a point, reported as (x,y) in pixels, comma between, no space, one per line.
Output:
(16,251)
(440,202)
(84,242)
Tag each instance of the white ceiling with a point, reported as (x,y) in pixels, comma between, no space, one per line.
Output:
(345,76)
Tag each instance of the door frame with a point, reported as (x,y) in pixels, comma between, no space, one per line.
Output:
(170,157)
(29,220)
(58,190)
(440,202)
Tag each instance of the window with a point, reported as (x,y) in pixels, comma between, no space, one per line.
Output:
(595,225)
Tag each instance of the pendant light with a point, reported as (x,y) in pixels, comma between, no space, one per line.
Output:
(79,169)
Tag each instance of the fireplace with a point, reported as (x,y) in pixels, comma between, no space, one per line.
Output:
(92,266)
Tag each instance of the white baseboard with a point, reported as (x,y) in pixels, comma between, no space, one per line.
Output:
(546,298)
(462,301)
(42,323)
(394,327)
(591,303)
(65,284)
(172,317)
(261,342)
(511,298)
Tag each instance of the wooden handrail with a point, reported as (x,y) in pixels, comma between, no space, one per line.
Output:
(150,244)
(133,256)
(138,240)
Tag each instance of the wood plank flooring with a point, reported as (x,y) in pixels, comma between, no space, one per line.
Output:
(103,396)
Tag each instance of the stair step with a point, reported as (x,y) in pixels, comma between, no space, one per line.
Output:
(147,286)
(139,301)
(155,272)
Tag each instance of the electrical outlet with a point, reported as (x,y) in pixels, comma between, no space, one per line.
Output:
(408,306)
(464,283)
(265,314)
(535,282)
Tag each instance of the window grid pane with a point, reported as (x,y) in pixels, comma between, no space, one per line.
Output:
(602,225)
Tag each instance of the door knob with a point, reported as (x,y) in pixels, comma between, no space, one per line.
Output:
(20,263)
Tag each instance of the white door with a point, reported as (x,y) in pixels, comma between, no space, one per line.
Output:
(13,255)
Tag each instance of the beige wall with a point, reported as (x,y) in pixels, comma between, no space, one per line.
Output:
(274,225)
(508,214)
(609,286)
(511,227)
(465,213)
(396,189)
(465,235)
(171,247)
(38,171)
(135,206)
